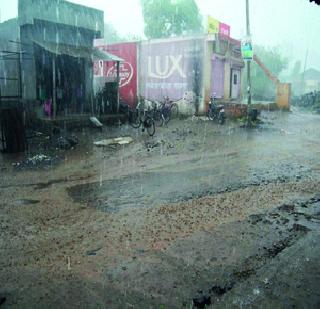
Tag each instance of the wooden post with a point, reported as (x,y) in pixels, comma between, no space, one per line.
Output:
(19,74)
(54,92)
(248,61)
(118,82)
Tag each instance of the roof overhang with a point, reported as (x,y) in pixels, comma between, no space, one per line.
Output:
(78,51)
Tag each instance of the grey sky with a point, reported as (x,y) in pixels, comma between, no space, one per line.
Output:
(293,25)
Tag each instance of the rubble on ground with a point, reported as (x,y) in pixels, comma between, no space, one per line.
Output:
(114,141)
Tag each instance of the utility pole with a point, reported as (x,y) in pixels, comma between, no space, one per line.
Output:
(303,86)
(248,61)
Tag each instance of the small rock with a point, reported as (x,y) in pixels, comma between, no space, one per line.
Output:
(93,252)
(219,290)
(2,300)
(62,143)
(300,228)
(201,302)
(26,202)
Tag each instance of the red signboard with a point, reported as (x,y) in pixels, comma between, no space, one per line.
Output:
(128,69)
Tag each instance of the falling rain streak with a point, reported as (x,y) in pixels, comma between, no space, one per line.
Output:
(133,171)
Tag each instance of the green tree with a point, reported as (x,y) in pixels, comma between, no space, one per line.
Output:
(296,78)
(262,87)
(167,18)
(111,35)
(296,70)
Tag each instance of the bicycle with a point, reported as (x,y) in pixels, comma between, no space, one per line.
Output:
(169,109)
(153,109)
(157,114)
(141,117)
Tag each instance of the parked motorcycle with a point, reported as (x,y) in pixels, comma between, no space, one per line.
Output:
(216,112)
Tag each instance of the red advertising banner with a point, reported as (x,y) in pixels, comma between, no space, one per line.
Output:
(128,69)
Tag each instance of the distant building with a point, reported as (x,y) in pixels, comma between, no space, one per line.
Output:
(311,79)
(306,82)
(9,31)
(186,69)
(56,40)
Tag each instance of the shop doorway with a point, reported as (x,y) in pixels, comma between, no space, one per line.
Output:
(235,83)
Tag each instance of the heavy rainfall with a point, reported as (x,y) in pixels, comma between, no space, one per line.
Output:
(159,154)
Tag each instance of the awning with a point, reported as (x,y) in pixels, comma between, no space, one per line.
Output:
(236,63)
(78,51)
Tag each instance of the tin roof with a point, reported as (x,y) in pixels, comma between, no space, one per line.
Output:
(61,12)
(78,51)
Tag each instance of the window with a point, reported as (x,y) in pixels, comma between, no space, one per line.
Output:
(235,79)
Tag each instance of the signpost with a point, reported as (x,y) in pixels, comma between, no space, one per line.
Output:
(247,53)
(246,49)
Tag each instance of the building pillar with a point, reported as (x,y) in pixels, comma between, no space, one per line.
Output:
(118,86)
(54,92)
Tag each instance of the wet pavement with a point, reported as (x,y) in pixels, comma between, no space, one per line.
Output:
(197,215)
(212,162)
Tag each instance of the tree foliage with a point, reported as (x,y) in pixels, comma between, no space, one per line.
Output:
(296,70)
(112,36)
(167,18)
(262,87)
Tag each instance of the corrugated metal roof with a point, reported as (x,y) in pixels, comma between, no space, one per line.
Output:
(78,51)
(61,12)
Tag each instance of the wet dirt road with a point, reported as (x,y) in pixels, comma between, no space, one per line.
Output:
(195,161)
(198,215)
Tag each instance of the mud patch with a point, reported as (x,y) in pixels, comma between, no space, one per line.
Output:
(155,188)
(299,228)
(37,162)
(45,185)
(22,202)
(254,219)
(202,301)
(316,216)
(140,190)
(252,264)
(287,208)
(218,290)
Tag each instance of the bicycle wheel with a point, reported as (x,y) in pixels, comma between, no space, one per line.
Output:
(211,115)
(166,114)
(149,125)
(221,118)
(174,110)
(135,119)
(158,119)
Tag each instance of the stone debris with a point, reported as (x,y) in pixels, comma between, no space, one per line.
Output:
(114,141)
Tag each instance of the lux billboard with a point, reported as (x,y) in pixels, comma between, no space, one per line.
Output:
(172,69)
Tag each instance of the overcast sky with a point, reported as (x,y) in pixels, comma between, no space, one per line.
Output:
(294,25)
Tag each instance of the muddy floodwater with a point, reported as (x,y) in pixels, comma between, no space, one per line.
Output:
(198,215)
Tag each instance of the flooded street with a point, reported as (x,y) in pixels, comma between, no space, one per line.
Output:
(159,154)
(195,158)
(199,214)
